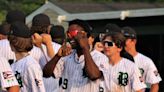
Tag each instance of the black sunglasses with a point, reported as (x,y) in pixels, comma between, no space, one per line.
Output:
(108,43)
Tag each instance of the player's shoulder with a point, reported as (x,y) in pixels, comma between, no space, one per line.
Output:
(97,54)
(29,60)
(4,41)
(128,62)
(129,65)
(144,57)
(56,44)
(35,50)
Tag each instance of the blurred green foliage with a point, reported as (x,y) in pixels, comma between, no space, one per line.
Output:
(149,1)
(27,6)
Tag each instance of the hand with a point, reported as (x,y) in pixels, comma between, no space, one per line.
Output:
(37,39)
(65,49)
(98,46)
(46,39)
(82,39)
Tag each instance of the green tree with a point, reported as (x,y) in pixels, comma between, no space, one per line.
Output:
(27,6)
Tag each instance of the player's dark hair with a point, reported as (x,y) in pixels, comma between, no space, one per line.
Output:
(21,44)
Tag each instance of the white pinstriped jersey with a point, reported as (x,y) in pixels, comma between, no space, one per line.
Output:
(123,77)
(42,56)
(6,51)
(51,84)
(147,68)
(10,55)
(38,55)
(7,78)
(28,74)
(73,77)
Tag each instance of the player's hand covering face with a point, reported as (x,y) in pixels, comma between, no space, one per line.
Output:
(82,39)
(77,37)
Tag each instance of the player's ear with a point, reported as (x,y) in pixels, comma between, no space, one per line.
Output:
(135,41)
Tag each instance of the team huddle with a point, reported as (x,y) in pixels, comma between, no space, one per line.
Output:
(45,58)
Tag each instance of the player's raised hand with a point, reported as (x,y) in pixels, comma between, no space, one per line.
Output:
(46,39)
(37,39)
(82,39)
(99,46)
(65,49)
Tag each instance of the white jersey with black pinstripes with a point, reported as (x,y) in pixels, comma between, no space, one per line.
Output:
(29,74)
(38,55)
(7,78)
(123,77)
(51,84)
(148,69)
(6,51)
(73,77)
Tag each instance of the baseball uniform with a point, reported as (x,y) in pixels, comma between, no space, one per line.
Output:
(148,69)
(6,51)
(7,78)
(29,74)
(51,84)
(74,79)
(123,77)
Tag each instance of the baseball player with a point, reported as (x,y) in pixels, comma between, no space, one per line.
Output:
(121,75)
(147,68)
(7,78)
(79,68)
(27,70)
(11,17)
(114,28)
(57,33)
(41,27)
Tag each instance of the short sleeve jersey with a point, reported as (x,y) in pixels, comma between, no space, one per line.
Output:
(148,69)
(123,77)
(7,78)
(71,69)
(29,75)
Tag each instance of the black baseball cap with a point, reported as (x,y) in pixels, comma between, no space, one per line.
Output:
(112,28)
(87,28)
(19,29)
(57,31)
(41,19)
(15,15)
(4,29)
(129,32)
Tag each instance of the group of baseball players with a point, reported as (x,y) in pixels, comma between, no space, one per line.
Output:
(45,58)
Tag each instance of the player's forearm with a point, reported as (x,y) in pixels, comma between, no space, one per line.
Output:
(50,50)
(154,87)
(13,89)
(91,68)
(50,66)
